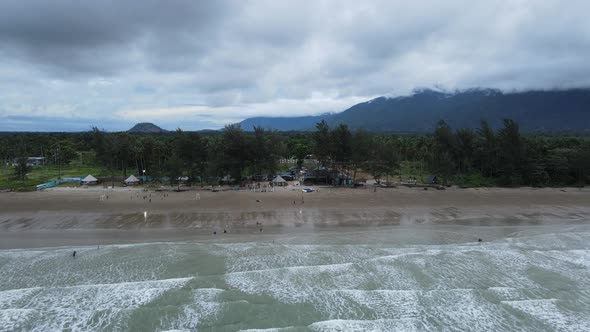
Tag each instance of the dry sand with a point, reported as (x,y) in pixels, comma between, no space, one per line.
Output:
(64,217)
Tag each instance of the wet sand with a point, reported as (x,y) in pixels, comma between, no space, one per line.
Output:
(65,217)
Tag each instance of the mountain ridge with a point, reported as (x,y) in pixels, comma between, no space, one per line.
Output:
(535,110)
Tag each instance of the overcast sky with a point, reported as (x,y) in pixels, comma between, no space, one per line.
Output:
(71,64)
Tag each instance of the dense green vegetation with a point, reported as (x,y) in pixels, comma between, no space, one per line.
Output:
(464,156)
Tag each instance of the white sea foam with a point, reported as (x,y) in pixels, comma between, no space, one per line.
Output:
(407,324)
(292,284)
(20,253)
(548,312)
(579,257)
(280,329)
(506,293)
(14,297)
(391,304)
(245,258)
(113,264)
(495,286)
(205,304)
(92,307)
(551,241)
(336,291)
(13,319)
(445,284)
(463,309)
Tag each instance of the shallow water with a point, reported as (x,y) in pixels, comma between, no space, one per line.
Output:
(525,278)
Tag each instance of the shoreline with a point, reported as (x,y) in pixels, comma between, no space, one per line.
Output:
(77,217)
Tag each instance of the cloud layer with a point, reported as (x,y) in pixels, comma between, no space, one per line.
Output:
(67,65)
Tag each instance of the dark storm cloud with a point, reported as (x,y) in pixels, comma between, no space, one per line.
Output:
(147,60)
(101,37)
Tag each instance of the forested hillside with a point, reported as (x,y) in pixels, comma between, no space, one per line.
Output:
(146,127)
(536,111)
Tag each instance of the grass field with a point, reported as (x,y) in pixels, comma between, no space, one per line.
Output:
(472,180)
(41,174)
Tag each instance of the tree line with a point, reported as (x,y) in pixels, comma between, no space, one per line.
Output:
(503,156)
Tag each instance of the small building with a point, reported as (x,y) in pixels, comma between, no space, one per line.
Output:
(432,179)
(89,179)
(294,170)
(131,180)
(31,161)
(287,176)
(318,177)
(279,181)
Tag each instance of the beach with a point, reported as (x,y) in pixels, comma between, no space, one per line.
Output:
(398,259)
(94,216)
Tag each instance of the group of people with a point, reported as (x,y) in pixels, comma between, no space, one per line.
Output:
(148,196)
(258,224)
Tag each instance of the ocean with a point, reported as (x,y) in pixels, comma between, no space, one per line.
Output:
(414,278)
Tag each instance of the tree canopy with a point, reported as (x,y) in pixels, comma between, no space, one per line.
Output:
(503,156)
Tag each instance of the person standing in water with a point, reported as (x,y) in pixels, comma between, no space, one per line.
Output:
(74,254)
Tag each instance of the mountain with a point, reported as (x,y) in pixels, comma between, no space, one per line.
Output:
(283,123)
(146,127)
(540,110)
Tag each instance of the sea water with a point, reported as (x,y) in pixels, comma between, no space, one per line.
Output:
(418,278)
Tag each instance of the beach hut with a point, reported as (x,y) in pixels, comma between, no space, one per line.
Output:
(287,176)
(89,179)
(131,180)
(279,181)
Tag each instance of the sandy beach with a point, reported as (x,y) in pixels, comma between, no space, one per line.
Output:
(65,217)
(400,259)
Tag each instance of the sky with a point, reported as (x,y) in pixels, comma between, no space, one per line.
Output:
(68,65)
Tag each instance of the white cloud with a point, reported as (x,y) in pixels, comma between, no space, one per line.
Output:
(222,115)
(99,82)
